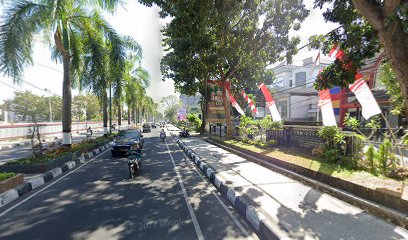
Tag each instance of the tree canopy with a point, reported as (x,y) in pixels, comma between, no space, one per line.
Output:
(366,28)
(227,40)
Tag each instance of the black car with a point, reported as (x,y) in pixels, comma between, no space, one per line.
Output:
(146,127)
(154,125)
(122,147)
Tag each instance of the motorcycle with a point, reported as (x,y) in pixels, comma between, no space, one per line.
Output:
(162,136)
(134,162)
(184,133)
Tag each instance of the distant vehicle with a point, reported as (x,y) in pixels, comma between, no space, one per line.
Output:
(122,147)
(184,133)
(153,125)
(146,128)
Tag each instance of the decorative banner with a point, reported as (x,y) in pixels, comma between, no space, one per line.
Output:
(336,52)
(182,114)
(250,103)
(233,101)
(360,89)
(325,104)
(270,103)
(365,97)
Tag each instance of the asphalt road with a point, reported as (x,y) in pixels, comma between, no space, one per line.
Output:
(169,199)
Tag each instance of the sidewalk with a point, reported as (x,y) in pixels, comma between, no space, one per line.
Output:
(299,211)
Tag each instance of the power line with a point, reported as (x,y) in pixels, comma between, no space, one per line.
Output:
(42,65)
(11,86)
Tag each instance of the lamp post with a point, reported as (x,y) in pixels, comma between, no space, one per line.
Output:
(49,102)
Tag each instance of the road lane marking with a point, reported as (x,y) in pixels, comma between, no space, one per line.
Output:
(190,208)
(50,185)
(212,189)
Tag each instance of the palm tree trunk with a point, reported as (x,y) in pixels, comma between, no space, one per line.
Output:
(66,89)
(105,111)
(134,114)
(128,115)
(66,103)
(119,115)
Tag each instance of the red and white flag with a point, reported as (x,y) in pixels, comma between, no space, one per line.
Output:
(336,52)
(250,103)
(233,101)
(270,103)
(360,89)
(365,97)
(326,106)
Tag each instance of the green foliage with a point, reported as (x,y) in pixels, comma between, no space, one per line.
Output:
(370,156)
(171,105)
(385,157)
(332,135)
(227,40)
(85,107)
(332,155)
(6,175)
(246,121)
(195,120)
(268,124)
(388,78)
(334,141)
(60,151)
(351,122)
(30,107)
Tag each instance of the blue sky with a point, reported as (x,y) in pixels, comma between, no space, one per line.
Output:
(143,24)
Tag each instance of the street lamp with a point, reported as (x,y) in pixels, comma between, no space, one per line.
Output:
(49,103)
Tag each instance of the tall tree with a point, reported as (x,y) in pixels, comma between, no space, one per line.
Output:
(171,104)
(366,27)
(72,26)
(233,41)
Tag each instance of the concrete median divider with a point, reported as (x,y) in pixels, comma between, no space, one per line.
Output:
(263,227)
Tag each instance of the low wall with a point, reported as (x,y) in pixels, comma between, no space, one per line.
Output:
(15,131)
(302,136)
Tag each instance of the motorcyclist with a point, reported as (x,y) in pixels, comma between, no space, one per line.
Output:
(162,134)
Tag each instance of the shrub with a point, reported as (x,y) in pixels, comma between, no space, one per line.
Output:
(370,156)
(195,121)
(385,157)
(332,155)
(268,124)
(6,175)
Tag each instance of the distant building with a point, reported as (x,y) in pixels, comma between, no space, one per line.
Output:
(293,90)
(189,102)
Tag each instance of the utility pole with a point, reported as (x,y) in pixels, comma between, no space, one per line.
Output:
(49,103)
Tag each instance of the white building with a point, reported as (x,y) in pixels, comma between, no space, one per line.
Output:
(293,90)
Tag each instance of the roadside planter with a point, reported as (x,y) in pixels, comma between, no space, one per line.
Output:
(47,166)
(10,183)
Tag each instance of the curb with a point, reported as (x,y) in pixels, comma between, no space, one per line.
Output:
(14,193)
(264,228)
(378,210)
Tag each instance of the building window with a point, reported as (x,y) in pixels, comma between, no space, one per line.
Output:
(283,107)
(300,79)
(290,83)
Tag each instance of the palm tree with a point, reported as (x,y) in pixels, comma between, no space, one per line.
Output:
(72,25)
